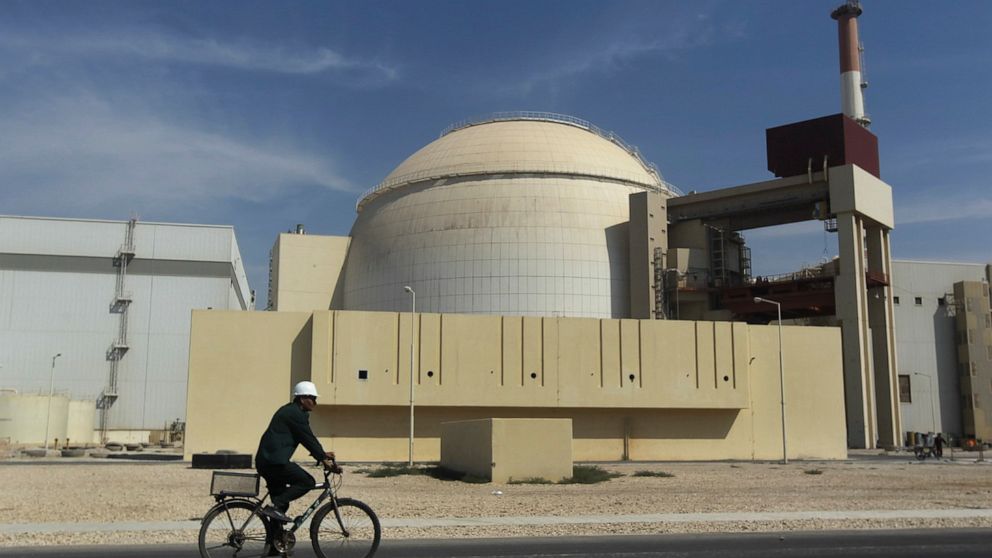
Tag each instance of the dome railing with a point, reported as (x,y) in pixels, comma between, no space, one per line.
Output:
(438,173)
(562,119)
(458,171)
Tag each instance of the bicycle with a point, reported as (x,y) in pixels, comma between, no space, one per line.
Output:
(235,526)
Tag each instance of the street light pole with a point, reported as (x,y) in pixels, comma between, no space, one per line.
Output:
(51,389)
(933,419)
(781,371)
(413,312)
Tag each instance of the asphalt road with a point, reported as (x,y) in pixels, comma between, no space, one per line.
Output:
(928,543)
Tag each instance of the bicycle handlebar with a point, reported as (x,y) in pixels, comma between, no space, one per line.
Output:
(333,468)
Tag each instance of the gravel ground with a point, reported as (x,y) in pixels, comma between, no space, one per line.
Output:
(38,492)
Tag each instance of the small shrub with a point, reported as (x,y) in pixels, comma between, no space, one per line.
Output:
(589,474)
(529,480)
(363,470)
(653,474)
(813,471)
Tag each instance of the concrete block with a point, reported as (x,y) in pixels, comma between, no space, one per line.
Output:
(506,449)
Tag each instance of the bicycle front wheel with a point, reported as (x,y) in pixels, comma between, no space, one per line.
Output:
(356,535)
(234,529)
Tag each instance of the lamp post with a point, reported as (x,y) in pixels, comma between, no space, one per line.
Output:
(51,389)
(781,371)
(933,419)
(413,311)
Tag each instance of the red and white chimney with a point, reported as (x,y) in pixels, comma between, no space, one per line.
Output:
(851,81)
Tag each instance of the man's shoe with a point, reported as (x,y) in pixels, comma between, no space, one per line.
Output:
(276,514)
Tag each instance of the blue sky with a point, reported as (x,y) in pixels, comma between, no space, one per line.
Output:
(262,115)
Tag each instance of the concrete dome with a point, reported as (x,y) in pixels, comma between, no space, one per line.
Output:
(517,214)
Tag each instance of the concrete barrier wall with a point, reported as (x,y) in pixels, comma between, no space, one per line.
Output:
(700,390)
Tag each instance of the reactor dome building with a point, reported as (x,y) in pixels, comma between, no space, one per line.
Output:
(516,213)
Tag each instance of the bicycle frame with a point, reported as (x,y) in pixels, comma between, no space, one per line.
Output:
(327,491)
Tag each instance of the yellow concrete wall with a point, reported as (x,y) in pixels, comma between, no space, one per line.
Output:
(241,368)
(307,271)
(512,361)
(700,390)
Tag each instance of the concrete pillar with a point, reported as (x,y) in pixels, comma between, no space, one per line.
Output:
(852,310)
(883,339)
(647,230)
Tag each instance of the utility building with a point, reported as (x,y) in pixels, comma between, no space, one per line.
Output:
(113,299)
(944,328)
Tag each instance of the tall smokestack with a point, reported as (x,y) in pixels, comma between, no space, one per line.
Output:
(851,99)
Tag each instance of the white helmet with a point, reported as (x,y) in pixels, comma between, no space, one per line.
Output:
(305,388)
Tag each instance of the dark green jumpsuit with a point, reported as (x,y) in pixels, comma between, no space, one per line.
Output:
(287,481)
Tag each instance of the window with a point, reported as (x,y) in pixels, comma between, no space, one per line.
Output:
(919,301)
(941,301)
(975,403)
(905,392)
(974,369)
(895,300)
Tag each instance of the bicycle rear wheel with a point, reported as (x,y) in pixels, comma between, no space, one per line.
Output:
(356,536)
(234,529)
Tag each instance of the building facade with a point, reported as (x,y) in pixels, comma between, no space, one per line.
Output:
(943,337)
(112,299)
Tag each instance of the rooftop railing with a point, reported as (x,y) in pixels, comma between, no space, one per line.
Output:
(648,166)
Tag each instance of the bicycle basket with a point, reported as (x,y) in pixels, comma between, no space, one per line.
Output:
(234,484)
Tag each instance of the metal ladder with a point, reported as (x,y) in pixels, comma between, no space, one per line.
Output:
(717,250)
(120,305)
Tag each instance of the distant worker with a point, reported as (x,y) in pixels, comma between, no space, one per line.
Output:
(938,445)
(290,427)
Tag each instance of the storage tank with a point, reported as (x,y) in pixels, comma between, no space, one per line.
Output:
(23,416)
(81,421)
(518,213)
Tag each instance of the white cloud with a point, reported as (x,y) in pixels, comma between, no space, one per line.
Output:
(82,153)
(944,209)
(623,45)
(156,46)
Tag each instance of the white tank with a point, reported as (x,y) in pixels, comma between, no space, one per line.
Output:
(520,214)
(81,421)
(23,417)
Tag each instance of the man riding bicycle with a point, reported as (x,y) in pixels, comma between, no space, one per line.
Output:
(289,427)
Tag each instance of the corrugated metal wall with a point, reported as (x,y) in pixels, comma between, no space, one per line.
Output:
(925,341)
(57,284)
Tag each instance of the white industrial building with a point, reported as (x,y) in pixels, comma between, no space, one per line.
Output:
(933,350)
(113,300)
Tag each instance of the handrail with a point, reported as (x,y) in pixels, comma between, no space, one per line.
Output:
(652,169)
